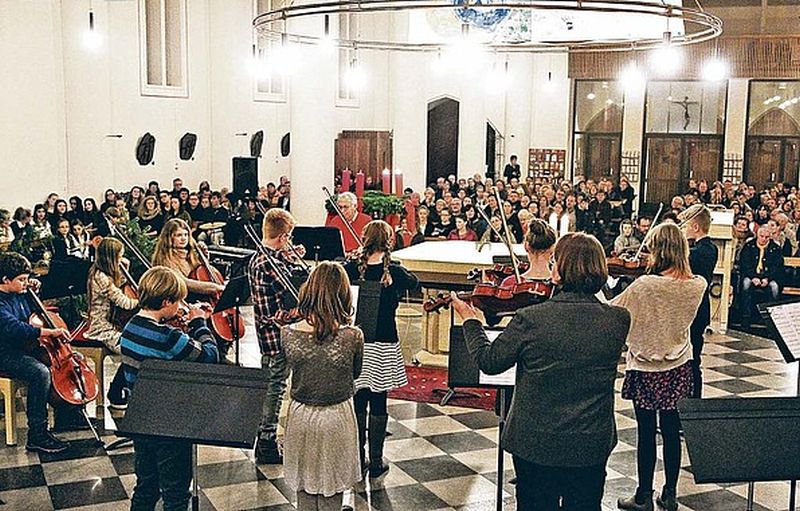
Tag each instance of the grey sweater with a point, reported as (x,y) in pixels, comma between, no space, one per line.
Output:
(323,373)
(566,351)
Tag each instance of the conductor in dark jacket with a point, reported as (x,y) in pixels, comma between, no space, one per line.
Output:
(561,427)
(696,222)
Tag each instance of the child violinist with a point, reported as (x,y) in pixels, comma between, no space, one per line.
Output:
(163,465)
(383,367)
(104,293)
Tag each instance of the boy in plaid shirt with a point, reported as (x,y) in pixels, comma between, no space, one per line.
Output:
(270,297)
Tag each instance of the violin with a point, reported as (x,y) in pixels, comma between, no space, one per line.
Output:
(284,317)
(497,273)
(631,265)
(119,316)
(227,324)
(494,300)
(73,379)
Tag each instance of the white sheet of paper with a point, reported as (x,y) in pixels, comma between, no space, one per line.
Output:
(506,378)
(354,292)
(787,320)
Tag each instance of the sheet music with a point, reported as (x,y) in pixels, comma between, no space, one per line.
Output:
(787,321)
(354,292)
(505,379)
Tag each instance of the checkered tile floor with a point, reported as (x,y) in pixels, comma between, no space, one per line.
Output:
(442,458)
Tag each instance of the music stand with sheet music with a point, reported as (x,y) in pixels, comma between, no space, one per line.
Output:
(236,292)
(321,243)
(208,404)
(783,318)
(463,371)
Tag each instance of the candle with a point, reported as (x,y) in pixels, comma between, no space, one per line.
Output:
(360,184)
(411,216)
(398,182)
(346,180)
(386,179)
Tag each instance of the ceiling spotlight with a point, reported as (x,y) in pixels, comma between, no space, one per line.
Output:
(91,39)
(715,70)
(632,78)
(666,59)
(497,80)
(355,77)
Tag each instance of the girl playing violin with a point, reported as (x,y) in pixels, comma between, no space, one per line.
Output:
(103,293)
(539,244)
(383,368)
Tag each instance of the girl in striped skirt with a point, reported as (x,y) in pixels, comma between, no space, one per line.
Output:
(383,367)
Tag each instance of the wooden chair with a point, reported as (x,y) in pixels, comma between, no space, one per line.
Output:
(9,387)
(97,352)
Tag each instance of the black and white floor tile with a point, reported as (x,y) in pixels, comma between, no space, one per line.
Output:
(442,458)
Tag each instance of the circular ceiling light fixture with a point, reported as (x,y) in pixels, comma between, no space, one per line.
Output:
(507,26)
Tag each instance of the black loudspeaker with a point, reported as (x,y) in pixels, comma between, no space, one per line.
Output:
(145,148)
(256,141)
(186,146)
(245,176)
(649,209)
(286,145)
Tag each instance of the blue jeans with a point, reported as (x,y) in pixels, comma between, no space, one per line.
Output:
(163,470)
(37,378)
(277,374)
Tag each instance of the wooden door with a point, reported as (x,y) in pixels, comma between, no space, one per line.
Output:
(663,169)
(791,160)
(443,119)
(603,155)
(763,161)
(367,151)
(702,160)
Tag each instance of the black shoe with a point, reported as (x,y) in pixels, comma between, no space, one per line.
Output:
(117,402)
(376,436)
(45,442)
(377,469)
(668,499)
(267,453)
(642,501)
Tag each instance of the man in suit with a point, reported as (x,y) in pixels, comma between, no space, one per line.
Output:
(696,222)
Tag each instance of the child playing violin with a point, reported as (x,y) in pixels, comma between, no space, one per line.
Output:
(17,339)
(103,293)
(163,465)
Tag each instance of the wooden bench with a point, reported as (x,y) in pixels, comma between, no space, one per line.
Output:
(791,262)
(9,387)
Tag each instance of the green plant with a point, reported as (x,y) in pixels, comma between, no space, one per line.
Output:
(377,204)
(72,309)
(32,245)
(146,243)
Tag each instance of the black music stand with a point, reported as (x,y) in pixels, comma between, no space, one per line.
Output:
(236,292)
(321,243)
(369,296)
(204,403)
(726,440)
(463,371)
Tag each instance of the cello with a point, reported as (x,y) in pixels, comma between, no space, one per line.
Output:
(227,324)
(73,380)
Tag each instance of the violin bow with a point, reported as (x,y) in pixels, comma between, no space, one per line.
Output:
(655,219)
(283,279)
(300,262)
(509,245)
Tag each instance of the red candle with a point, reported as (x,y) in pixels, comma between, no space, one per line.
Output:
(360,183)
(346,180)
(398,182)
(411,216)
(386,179)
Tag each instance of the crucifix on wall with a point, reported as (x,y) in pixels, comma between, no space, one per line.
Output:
(685,104)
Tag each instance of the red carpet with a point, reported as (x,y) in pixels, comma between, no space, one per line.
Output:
(423,380)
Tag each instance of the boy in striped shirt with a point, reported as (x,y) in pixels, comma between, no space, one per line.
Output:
(163,465)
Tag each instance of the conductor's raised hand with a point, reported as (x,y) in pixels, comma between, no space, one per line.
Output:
(464,310)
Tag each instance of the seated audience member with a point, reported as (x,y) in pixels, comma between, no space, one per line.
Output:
(462,231)
(643,224)
(445,225)
(424,224)
(626,241)
(760,268)
(22,222)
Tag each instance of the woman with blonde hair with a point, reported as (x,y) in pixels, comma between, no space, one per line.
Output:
(384,368)
(324,353)
(103,293)
(658,372)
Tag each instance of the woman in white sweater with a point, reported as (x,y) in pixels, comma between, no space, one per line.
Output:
(658,370)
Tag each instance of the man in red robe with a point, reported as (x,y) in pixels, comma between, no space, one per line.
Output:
(348,204)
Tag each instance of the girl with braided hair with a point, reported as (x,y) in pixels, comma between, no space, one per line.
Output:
(383,367)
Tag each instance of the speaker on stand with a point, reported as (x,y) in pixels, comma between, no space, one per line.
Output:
(245,176)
